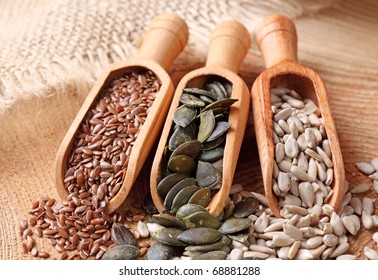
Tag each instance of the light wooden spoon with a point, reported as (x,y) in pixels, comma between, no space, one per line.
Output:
(277,40)
(229,43)
(163,41)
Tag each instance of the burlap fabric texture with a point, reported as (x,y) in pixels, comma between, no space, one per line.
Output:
(49,46)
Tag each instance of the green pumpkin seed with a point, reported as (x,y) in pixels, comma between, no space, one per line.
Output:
(181,164)
(121,235)
(212,155)
(190,149)
(121,252)
(181,135)
(182,197)
(201,219)
(189,209)
(225,104)
(206,99)
(199,236)
(191,100)
(206,174)
(209,247)
(246,207)
(233,225)
(207,125)
(168,236)
(167,221)
(199,91)
(167,183)
(218,89)
(160,251)
(228,87)
(175,189)
(214,255)
(213,144)
(201,197)
(240,237)
(218,165)
(184,115)
(219,130)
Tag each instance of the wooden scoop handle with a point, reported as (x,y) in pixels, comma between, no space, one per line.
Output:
(277,39)
(165,38)
(229,43)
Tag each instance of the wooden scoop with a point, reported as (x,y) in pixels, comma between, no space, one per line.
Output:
(277,40)
(163,41)
(229,43)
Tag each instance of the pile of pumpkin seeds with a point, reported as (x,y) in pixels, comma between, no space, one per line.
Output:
(193,157)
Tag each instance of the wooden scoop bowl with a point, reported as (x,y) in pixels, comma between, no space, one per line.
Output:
(277,40)
(229,43)
(163,41)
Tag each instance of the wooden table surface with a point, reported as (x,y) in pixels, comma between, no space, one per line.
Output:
(341,43)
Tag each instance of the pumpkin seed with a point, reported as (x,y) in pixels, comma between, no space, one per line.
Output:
(199,91)
(175,189)
(191,100)
(209,247)
(168,182)
(181,164)
(207,174)
(169,236)
(167,221)
(160,251)
(121,235)
(184,115)
(241,237)
(213,144)
(233,225)
(219,130)
(179,136)
(206,99)
(188,209)
(212,155)
(223,104)
(246,207)
(121,252)
(190,149)
(214,255)
(201,197)
(182,197)
(199,236)
(218,89)
(206,126)
(201,219)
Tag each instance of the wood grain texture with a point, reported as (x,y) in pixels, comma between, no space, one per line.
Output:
(340,43)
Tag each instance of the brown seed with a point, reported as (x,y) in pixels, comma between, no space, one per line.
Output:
(26,233)
(30,242)
(34,251)
(24,248)
(63,256)
(43,255)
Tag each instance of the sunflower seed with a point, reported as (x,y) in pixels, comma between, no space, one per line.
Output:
(360,188)
(365,168)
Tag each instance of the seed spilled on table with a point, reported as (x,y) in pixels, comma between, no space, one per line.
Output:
(96,169)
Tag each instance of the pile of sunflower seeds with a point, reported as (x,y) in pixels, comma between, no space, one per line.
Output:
(303,171)
(95,172)
(246,229)
(193,159)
